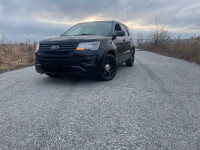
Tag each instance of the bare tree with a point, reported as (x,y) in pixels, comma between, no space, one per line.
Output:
(3,38)
(159,34)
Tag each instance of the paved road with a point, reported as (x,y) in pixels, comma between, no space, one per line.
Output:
(154,105)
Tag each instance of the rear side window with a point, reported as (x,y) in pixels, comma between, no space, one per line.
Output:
(125,30)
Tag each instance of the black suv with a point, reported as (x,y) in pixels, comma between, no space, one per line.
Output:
(92,48)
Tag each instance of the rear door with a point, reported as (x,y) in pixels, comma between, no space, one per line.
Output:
(127,46)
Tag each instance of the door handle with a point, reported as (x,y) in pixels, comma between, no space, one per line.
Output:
(124,40)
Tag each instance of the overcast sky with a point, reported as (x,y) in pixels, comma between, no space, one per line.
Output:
(38,19)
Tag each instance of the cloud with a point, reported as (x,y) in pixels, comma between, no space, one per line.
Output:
(29,29)
(39,19)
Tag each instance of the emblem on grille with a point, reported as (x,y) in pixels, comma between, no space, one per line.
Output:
(54,47)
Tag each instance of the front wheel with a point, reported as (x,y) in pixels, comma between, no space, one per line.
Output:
(108,68)
(130,61)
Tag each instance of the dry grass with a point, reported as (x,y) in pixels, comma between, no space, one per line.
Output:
(14,56)
(184,49)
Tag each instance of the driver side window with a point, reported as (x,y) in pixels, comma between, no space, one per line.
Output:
(117,27)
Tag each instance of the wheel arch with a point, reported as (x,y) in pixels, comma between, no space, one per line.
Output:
(112,52)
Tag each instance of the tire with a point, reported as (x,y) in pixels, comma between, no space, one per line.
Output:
(130,61)
(52,75)
(108,68)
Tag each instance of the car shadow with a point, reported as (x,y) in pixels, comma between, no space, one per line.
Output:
(73,79)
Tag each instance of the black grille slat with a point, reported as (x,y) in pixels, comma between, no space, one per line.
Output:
(57,53)
(60,48)
(56,69)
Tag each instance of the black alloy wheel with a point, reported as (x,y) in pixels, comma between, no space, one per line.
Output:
(108,68)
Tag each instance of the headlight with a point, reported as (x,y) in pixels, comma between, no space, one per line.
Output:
(89,45)
(37,46)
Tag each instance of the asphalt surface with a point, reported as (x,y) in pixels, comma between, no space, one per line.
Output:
(153,105)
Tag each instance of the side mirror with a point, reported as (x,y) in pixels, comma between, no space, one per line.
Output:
(119,33)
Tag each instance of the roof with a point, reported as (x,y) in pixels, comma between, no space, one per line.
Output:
(112,21)
(99,21)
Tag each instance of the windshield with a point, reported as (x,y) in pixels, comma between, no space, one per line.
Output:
(100,28)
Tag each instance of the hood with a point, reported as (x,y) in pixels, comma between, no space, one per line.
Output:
(77,39)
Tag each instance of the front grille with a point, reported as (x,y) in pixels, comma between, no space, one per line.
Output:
(62,47)
(63,51)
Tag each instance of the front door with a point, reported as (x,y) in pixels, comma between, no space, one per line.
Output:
(127,46)
(119,42)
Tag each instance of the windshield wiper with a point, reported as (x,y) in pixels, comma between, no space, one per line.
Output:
(79,34)
(85,34)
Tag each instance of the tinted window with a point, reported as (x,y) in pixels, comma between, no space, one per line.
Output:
(100,28)
(117,27)
(124,29)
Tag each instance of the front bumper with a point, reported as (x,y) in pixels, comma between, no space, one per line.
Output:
(80,62)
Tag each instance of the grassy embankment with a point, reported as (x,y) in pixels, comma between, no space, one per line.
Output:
(13,56)
(183,49)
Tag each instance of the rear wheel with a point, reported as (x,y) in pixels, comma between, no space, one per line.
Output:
(130,61)
(108,68)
